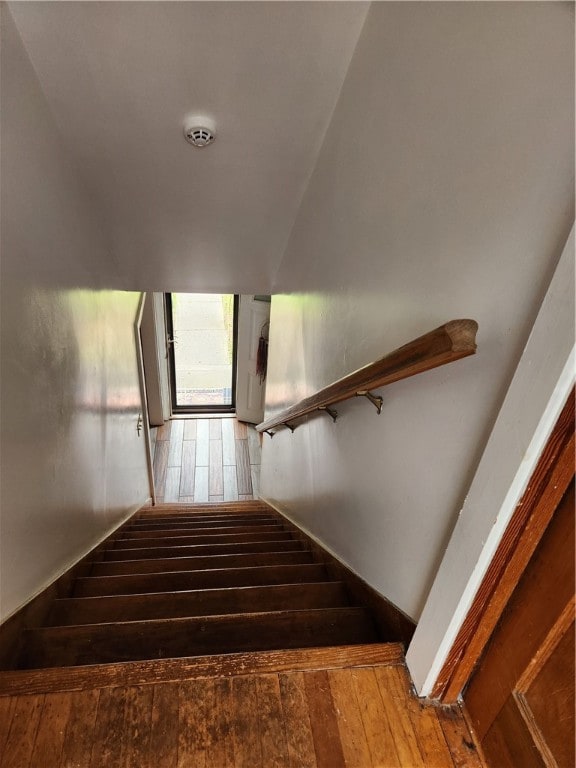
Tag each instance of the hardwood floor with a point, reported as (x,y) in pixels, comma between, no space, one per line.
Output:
(322,717)
(200,460)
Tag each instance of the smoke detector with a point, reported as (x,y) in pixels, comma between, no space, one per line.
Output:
(199,131)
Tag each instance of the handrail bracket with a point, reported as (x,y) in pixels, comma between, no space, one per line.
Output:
(291,427)
(376,400)
(330,411)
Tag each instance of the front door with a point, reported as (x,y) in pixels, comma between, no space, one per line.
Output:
(202,331)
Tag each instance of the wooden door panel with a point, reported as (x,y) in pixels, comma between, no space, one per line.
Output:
(552,713)
(521,698)
(508,743)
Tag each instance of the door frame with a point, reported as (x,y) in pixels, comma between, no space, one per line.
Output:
(199,409)
(143,417)
(546,488)
(153,334)
(507,716)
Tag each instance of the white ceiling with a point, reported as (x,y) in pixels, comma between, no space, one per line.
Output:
(121,76)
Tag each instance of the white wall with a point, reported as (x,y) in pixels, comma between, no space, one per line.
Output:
(72,465)
(444,189)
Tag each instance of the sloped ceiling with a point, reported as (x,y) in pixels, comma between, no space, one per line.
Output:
(120,77)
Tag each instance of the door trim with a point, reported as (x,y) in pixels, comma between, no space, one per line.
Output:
(143,396)
(547,485)
(199,409)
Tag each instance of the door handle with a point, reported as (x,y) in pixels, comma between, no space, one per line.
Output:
(139,424)
(169,342)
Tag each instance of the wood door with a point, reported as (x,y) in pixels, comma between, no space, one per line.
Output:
(253,318)
(521,698)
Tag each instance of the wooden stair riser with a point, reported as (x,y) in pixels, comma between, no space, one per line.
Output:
(206,602)
(132,533)
(193,540)
(202,550)
(162,565)
(231,508)
(172,638)
(193,580)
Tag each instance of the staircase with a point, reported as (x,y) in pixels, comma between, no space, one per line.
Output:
(216,636)
(188,581)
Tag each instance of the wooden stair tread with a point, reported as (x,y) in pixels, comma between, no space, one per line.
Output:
(193,550)
(168,533)
(184,517)
(199,563)
(160,605)
(202,579)
(201,525)
(53,679)
(163,638)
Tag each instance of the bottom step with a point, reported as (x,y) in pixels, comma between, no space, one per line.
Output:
(168,638)
(56,679)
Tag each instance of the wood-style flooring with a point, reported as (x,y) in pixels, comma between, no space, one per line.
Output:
(322,717)
(206,459)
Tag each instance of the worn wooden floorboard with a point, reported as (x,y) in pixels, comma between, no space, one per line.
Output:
(342,718)
(246,722)
(299,740)
(458,737)
(377,727)
(164,726)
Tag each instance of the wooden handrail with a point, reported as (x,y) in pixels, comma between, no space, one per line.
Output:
(447,343)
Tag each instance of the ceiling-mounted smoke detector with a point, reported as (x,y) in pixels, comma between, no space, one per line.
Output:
(199,131)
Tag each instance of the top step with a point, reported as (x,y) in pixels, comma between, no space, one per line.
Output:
(227,508)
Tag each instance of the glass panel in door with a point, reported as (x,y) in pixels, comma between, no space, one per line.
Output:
(202,342)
